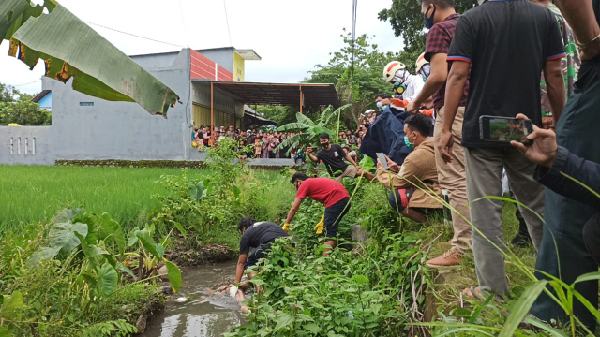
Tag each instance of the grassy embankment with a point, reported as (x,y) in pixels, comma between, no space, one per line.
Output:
(77,292)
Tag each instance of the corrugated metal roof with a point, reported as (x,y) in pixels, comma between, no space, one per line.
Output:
(315,94)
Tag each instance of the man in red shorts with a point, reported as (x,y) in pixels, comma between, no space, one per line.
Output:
(331,193)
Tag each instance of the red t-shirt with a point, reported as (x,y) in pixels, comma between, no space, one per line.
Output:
(327,191)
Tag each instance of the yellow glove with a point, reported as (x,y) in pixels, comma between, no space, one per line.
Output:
(319,226)
(286,227)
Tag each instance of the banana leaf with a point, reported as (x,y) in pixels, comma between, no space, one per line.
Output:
(13,13)
(292,127)
(301,118)
(72,49)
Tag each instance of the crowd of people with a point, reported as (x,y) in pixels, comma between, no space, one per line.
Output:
(267,142)
(526,60)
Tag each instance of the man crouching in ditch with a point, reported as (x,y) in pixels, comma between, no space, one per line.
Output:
(256,241)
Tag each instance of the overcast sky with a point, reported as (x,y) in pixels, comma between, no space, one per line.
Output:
(291,36)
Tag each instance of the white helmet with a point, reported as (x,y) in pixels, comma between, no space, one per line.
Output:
(421,61)
(391,69)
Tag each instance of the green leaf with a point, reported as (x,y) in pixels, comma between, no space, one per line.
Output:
(72,49)
(123,269)
(12,304)
(312,328)
(108,229)
(545,327)
(156,249)
(13,13)
(4,332)
(63,239)
(292,127)
(587,304)
(594,276)
(174,274)
(236,191)
(301,118)
(521,308)
(180,228)
(43,253)
(132,238)
(107,280)
(198,191)
(360,280)
(283,321)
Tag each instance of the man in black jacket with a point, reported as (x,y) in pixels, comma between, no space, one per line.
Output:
(575,178)
(562,252)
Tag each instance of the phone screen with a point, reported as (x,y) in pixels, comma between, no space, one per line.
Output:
(505,129)
(381,159)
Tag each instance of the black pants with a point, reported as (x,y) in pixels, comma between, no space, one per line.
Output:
(333,216)
(591,237)
(260,252)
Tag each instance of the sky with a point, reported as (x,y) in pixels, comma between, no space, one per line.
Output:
(291,36)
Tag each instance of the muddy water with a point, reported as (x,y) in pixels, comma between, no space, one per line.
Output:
(205,313)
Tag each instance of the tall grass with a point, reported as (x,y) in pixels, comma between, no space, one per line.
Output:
(35,194)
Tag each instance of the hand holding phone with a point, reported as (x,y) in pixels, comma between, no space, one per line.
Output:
(504,129)
(382,160)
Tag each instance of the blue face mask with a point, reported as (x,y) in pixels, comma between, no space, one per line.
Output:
(429,20)
(408,143)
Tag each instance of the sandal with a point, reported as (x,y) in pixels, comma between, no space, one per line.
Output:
(476,293)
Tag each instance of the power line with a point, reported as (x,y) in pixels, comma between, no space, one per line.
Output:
(136,36)
(182,16)
(354,12)
(24,84)
(227,21)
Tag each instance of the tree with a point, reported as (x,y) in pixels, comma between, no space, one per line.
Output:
(280,114)
(408,22)
(23,110)
(360,84)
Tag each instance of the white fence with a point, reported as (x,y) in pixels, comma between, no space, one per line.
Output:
(26,145)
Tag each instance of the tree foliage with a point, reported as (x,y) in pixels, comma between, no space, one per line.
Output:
(408,22)
(359,84)
(18,108)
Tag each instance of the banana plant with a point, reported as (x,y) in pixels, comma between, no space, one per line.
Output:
(71,49)
(308,131)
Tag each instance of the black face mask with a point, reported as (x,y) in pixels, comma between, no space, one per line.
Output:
(429,20)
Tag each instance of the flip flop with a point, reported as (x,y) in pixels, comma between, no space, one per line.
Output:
(476,293)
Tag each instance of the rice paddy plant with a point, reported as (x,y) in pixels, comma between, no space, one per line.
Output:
(31,194)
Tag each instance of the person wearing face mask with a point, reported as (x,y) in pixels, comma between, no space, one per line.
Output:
(332,155)
(405,84)
(412,183)
(441,19)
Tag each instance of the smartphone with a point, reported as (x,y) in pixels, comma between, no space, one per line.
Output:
(381,159)
(504,129)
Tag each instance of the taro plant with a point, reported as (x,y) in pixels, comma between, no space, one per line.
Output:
(95,245)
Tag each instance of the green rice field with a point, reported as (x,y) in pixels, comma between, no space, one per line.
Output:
(30,194)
